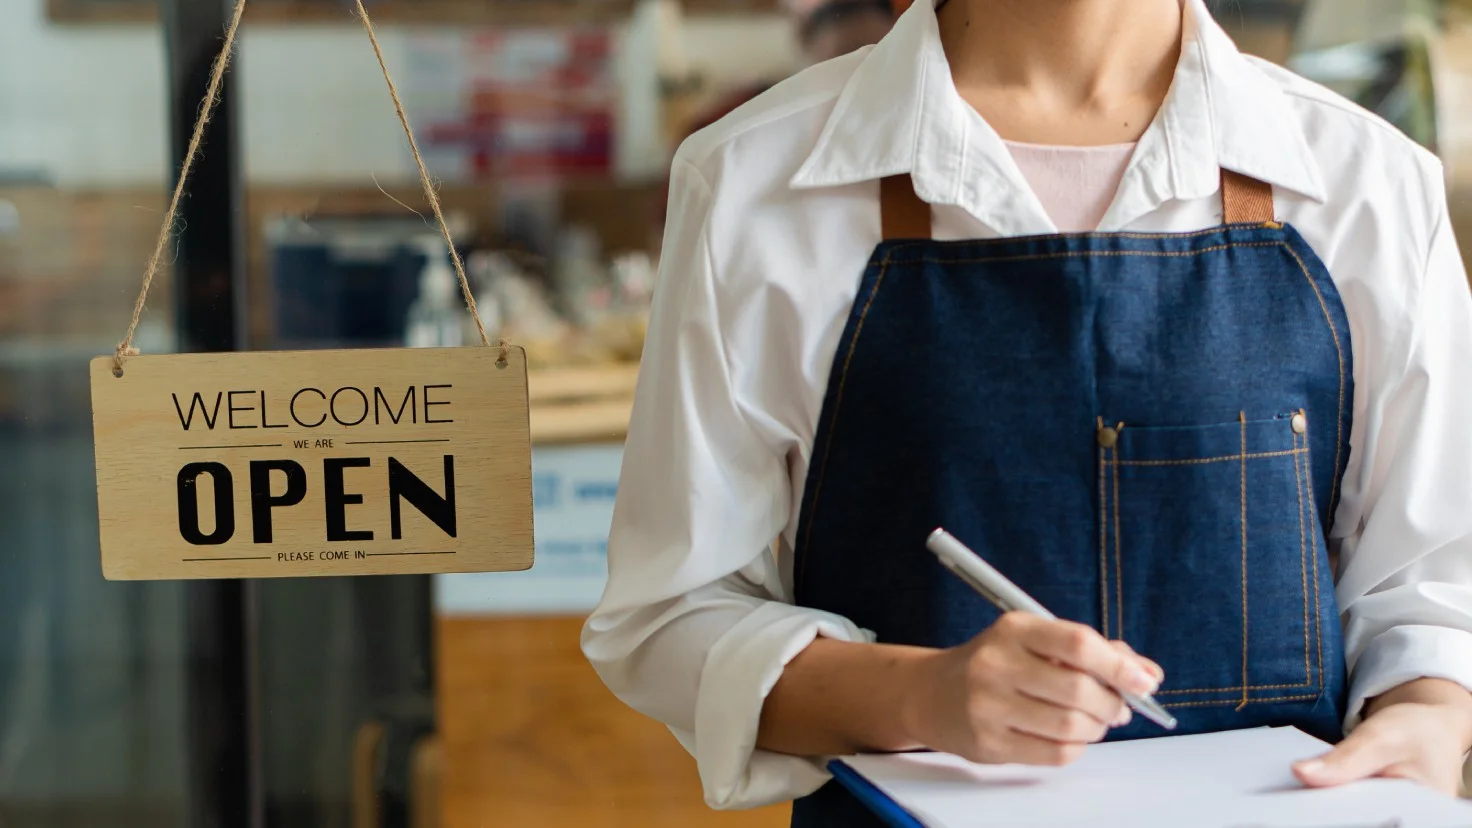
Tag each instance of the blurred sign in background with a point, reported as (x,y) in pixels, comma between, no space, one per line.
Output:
(513,103)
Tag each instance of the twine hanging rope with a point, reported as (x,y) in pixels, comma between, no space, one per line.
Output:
(125,348)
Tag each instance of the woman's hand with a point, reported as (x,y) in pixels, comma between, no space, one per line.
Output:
(1024,691)
(1419,731)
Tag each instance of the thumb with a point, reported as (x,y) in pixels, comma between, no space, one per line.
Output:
(1359,756)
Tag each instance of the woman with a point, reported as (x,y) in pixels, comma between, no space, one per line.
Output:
(1230,419)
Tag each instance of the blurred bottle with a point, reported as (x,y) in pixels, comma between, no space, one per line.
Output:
(437,317)
(486,271)
(579,277)
(634,275)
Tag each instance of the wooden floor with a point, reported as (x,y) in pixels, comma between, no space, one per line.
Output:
(531,737)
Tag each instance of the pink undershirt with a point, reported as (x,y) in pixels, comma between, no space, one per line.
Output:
(1076,185)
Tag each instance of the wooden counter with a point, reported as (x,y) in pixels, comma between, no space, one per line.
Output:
(531,737)
(528,733)
(581,405)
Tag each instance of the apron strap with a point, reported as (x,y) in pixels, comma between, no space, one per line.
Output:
(1246,200)
(903,215)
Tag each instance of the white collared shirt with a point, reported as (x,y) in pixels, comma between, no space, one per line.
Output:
(773,215)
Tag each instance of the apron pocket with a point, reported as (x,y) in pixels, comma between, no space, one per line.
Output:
(1209,556)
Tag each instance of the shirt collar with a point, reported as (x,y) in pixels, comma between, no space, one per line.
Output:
(900,112)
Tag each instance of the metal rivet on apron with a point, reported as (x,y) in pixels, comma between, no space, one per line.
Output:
(1300,423)
(1107,437)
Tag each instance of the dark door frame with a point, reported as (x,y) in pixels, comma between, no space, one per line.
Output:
(222,750)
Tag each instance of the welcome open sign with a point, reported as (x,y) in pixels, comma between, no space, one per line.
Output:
(278,464)
(311,463)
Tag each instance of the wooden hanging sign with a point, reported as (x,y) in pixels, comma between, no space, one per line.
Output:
(311,463)
(271,464)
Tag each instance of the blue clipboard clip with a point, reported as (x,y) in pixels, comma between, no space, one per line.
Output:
(872,798)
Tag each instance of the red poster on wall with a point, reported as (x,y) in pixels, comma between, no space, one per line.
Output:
(517,103)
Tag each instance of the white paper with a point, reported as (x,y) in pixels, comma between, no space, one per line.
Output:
(1235,779)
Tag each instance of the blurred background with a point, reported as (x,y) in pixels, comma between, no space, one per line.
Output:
(405,701)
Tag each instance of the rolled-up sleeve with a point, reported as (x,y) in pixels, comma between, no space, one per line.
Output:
(694,626)
(1406,582)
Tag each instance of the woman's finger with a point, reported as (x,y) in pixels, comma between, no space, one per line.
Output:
(1029,749)
(1083,649)
(1066,688)
(1154,668)
(1068,725)
(1363,754)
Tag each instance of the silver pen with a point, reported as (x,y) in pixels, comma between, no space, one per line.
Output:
(1008,597)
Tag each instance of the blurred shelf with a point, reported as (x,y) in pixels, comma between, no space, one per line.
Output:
(598,422)
(581,405)
(567,384)
(437,12)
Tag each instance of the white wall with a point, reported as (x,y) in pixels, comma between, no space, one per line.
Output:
(85,104)
(81,103)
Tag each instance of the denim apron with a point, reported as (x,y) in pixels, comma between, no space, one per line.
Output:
(1144,431)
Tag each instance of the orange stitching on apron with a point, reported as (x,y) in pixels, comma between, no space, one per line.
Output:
(838,405)
(1075,254)
(1303,268)
(1272,225)
(1229,701)
(1245,686)
(1242,418)
(1103,540)
(1339,414)
(1308,675)
(1233,689)
(1118,549)
(1313,543)
(1223,459)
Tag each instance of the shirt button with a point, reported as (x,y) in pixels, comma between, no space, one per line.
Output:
(1107,437)
(1300,423)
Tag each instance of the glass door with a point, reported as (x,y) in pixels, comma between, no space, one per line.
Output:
(95,677)
(206,703)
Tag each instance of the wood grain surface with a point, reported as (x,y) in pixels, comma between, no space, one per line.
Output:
(531,737)
(313,463)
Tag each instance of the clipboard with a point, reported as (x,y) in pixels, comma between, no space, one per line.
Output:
(1226,779)
(876,800)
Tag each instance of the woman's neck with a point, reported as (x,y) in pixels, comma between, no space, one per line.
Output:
(1063,71)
